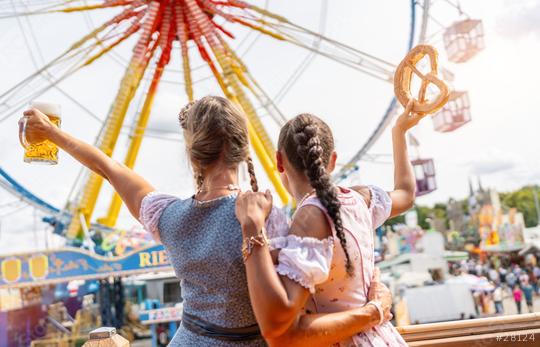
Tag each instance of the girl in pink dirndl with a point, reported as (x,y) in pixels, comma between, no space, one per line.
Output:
(325,262)
(319,265)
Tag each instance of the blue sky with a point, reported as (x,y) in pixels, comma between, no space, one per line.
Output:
(500,145)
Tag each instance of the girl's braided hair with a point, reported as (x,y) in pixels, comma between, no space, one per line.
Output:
(308,144)
(214,127)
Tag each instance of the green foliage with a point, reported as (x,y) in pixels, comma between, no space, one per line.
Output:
(465,205)
(424,212)
(396,220)
(523,201)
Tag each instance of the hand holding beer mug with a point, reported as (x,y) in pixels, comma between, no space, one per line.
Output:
(34,130)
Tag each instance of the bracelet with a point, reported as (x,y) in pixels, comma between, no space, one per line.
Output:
(378,305)
(250,242)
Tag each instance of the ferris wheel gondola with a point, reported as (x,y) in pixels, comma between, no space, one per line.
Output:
(463,39)
(456,113)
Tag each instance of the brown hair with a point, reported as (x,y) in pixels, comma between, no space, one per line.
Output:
(308,144)
(213,128)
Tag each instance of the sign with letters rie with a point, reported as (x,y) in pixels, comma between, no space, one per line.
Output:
(66,264)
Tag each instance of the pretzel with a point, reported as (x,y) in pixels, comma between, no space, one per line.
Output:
(403,78)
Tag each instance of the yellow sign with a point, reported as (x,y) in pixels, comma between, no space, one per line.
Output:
(11,270)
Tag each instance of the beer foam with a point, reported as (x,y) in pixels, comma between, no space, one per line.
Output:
(48,108)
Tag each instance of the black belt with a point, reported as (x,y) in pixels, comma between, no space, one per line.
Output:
(201,327)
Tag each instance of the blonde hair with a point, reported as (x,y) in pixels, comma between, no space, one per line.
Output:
(214,128)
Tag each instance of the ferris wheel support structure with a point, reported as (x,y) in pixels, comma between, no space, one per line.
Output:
(350,167)
(108,138)
(231,78)
(185,20)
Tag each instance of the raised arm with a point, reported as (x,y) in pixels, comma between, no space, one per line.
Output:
(277,301)
(130,186)
(403,194)
(404,181)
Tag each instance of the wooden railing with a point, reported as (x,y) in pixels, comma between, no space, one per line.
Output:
(63,341)
(515,330)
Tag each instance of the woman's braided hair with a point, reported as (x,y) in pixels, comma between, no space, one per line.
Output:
(308,144)
(213,128)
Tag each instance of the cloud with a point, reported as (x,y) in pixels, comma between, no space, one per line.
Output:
(490,166)
(528,173)
(505,170)
(493,161)
(519,19)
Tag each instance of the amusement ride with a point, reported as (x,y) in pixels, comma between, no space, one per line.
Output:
(202,34)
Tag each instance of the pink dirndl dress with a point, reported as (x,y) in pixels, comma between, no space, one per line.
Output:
(319,265)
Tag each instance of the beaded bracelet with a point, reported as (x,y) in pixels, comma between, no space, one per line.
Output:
(250,242)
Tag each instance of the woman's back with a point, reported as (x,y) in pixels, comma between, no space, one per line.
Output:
(341,291)
(203,241)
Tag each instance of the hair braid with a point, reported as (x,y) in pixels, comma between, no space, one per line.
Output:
(252,178)
(310,151)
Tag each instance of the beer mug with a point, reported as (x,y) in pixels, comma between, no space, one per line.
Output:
(44,152)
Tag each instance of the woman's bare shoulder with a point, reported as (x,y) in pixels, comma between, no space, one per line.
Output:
(311,221)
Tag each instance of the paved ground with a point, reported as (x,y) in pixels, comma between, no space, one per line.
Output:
(510,306)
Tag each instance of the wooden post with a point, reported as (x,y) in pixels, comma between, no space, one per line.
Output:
(106,337)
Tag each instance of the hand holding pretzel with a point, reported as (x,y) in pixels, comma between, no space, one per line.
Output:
(403,78)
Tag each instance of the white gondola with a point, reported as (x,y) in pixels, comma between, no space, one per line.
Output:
(454,114)
(424,171)
(463,40)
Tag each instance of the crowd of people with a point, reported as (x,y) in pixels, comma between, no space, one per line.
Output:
(520,282)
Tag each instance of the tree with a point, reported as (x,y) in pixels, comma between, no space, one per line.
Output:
(396,220)
(523,201)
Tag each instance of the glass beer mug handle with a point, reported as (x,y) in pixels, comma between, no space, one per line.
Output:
(22,132)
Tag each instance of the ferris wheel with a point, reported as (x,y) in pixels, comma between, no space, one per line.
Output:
(202,34)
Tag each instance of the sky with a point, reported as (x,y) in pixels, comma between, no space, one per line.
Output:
(499,146)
